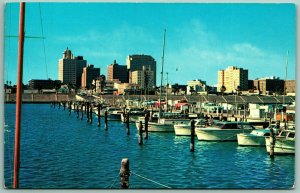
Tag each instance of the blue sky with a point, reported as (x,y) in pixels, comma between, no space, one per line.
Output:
(201,38)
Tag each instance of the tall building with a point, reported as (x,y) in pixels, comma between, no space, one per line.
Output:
(136,63)
(233,78)
(269,85)
(70,68)
(116,71)
(144,78)
(88,75)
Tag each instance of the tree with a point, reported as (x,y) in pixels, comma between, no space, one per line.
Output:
(223,89)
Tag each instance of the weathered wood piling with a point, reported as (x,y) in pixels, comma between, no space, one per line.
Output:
(124,174)
(272,142)
(140,133)
(127,122)
(91,114)
(192,144)
(99,109)
(105,120)
(146,125)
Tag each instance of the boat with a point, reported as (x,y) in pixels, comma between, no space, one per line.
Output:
(185,129)
(163,124)
(284,142)
(256,137)
(134,114)
(223,131)
(113,113)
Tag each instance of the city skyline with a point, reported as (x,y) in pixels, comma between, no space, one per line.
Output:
(201,38)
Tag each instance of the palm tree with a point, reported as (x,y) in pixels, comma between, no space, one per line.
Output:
(223,89)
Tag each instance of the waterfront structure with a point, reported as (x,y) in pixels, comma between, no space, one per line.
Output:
(116,71)
(88,75)
(233,79)
(136,63)
(195,86)
(43,84)
(70,68)
(99,83)
(123,88)
(290,86)
(269,85)
(144,78)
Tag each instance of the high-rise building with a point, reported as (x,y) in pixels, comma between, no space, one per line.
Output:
(116,71)
(232,79)
(269,85)
(70,68)
(88,75)
(136,63)
(144,78)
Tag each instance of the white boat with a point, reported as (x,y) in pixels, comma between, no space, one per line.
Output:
(163,125)
(223,131)
(185,129)
(256,137)
(134,114)
(113,113)
(284,143)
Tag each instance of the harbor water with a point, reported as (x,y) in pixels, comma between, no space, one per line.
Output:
(59,150)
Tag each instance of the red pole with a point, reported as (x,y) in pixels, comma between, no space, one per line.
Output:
(19,96)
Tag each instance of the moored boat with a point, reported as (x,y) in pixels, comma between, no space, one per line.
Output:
(223,131)
(163,125)
(284,142)
(256,137)
(185,129)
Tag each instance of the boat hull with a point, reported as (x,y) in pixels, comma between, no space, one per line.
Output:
(182,130)
(218,134)
(282,146)
(250,140)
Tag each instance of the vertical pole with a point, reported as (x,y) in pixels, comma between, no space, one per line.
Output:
(70,107)
(105,120)
(98,115)
(140,133)
(82,110)
(77,110)
(146,125)
(19,97)
(91,114)
(272,143)
(124,174)
(64,103)
(192,144)
(127,123)
(87,112)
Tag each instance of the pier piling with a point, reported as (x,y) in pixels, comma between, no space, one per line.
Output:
(99,115)
(70,107)
(82,111)
(77,110)
(91,114)
(105,120)
(88,112)
(124,174)
(192,144)
(127,123)
(272,142)
(64,103)
(146,125)
(140,133)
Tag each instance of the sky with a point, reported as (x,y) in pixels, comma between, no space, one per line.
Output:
(201,38)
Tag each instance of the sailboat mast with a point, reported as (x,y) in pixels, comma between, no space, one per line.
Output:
(286,64)
(162,72)
(19,96)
